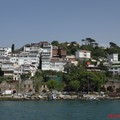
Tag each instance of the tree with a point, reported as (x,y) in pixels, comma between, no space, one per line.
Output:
(55,85)
(87,47)
(52,84)
(13,47)
(74,85)
(1,72)
(98,52)
(55,43)
(38,80)
(6,78)
(112,45)
(60,86)
(88,41)
(26,76)
(112,50)
(91,81)
(69,67)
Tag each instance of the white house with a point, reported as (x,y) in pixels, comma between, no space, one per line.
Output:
(55,64)
(8,68)
(14,59)
(113,58)
(114,69)
(3,59)
(4,51)
(83,54)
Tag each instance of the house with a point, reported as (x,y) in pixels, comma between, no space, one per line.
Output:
(113,64)
(3,59)
(53,58)
(83,54)
(71,59)
(114,69)
(113,58)
(4,51)
(58,52)
(57,64)
(8,68)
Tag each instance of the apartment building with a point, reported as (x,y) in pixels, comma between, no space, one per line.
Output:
(83,54)
(8,68)
(113,58)
(4,51)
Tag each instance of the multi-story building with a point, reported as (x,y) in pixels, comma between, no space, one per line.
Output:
(72,59)
(113,64)
(46,56)
(8,68)
(57,64)
(83,54)
(3,59)
(4,51)
(58,52)
(31,57)
(113,58)
(114,69)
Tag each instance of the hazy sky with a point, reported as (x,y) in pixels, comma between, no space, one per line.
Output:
(30,21)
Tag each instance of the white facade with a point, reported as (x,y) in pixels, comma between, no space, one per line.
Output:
(4,51)
(115,69)
(28,60)
(14,59)
(46,56)
(27,48)
(8,68)
(83,54)
(113,58)
(113,64)
(55,66)
(32,48)
(4,59)
(47,51)
(33,54)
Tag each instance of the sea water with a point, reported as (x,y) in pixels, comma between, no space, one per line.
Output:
(59,110)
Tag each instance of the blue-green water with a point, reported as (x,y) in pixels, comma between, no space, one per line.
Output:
(59,110)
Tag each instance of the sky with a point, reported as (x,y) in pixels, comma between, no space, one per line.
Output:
(31,21)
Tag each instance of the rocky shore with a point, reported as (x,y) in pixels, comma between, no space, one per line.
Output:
(53,96)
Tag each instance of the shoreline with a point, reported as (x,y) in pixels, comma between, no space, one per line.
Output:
(5,98)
